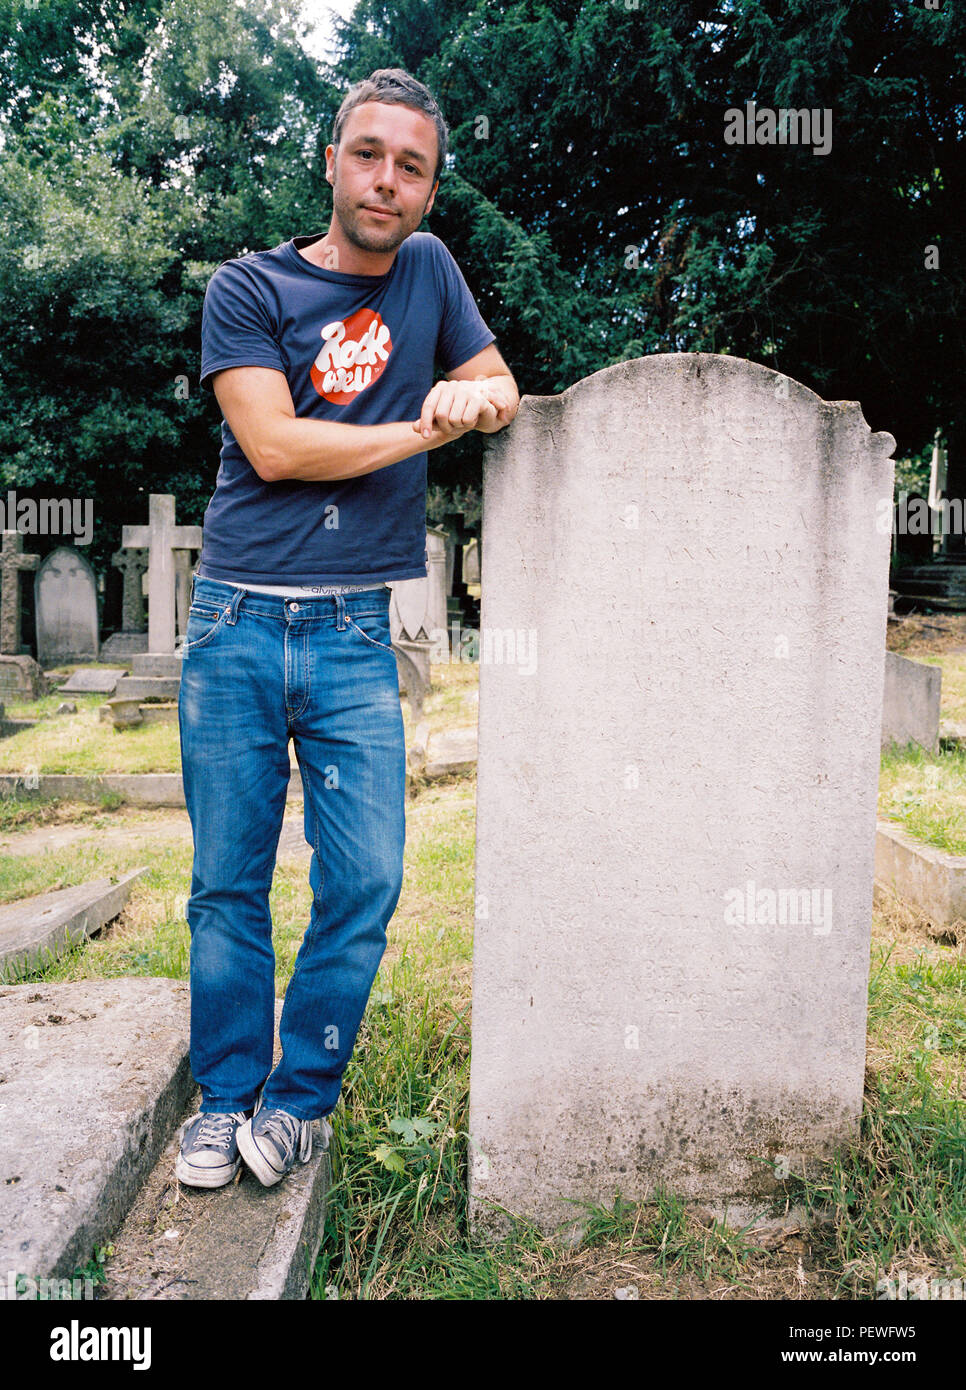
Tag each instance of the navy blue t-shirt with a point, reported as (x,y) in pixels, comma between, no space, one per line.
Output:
(358,349)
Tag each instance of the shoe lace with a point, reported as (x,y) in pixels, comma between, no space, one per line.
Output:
(216,1129)
(287,1131)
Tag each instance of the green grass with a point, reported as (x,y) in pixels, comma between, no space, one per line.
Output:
(926,794)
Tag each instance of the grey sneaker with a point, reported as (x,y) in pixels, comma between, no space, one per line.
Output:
(209,1149)
(271,1139)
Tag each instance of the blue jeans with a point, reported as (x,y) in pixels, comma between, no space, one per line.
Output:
(257,670)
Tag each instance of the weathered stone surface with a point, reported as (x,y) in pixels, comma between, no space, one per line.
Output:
(65,597)
(95,1076)
(471,562)
(93,680)
(35,931)
(683,640)
(451,751)
(922,875)
(238,1242)
(168,664)
(121,644)
(910,707)
(132,563)
(148,687)
(13,563)
(22,678)
(161,537)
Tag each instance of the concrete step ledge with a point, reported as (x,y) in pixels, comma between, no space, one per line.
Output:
(95,1075)
(928,878)
(239,1242)
(35,931)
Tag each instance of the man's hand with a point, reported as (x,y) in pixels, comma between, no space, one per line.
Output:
(454,407)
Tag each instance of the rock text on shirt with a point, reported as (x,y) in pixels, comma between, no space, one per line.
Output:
(355,354)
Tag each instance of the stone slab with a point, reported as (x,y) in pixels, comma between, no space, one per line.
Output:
(239,1242)
(451,752)
(124,644)
(664,772)
(157,664)
(36,931)
(95,1074)
(148,687)
(924,876)
(911,699)
(92,680)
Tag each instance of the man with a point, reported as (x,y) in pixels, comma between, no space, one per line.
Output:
(321,355)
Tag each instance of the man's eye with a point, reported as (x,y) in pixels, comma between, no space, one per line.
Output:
(362,153)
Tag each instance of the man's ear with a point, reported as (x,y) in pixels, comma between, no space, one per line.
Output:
(330,164)
(432,198)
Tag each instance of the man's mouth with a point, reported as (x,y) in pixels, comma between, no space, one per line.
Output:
(378,211)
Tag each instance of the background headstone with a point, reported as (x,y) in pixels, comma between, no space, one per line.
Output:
(471,562)
(65,597)
(910,705)
(185,565)
(13,563)
(21,678)
(416,607)
(132,563)
(681,660)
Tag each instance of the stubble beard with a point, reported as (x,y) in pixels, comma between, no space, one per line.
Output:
(350,220)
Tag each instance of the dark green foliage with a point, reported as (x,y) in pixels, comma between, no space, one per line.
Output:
(591,200)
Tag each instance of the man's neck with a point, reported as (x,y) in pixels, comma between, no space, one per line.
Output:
(334,252)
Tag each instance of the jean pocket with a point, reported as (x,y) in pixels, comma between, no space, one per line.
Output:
(374,627)
(204,620)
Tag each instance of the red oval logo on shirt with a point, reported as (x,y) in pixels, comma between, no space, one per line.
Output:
(354,355)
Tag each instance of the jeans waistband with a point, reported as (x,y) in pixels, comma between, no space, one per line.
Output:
(237,600)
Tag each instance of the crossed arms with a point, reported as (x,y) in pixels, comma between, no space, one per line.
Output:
(257,403)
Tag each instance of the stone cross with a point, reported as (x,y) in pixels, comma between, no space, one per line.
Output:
(681,674)
(132,564)
(161,537)
(12,563)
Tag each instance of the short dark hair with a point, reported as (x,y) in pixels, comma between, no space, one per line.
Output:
(396,88)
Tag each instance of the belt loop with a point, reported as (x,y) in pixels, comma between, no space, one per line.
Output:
(233,606)
(340,618)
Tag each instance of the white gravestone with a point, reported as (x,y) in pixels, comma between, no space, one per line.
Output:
(65,598)
(682,649)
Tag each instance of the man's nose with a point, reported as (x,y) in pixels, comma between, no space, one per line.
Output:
(386,173)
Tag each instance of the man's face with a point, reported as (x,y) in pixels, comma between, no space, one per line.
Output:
(382,174)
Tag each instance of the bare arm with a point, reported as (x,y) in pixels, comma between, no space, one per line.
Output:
(257,403)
